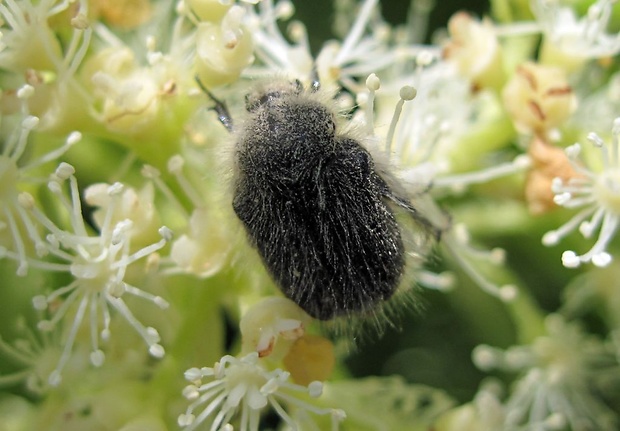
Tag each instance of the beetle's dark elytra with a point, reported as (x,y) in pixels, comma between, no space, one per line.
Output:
(314,206)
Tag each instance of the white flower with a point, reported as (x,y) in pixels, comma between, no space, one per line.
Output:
(598,194)
(271,321)
(131,95)
(15,172)
(586,37)
(242,386)
(137,205)
(36,48)
(29,43)
(475,50)
(202,247)
(538,98)
(420,156)
(271,47)
(363,50)
(430,125)
(223,49)
(562,373)
(98,264)
(366,47)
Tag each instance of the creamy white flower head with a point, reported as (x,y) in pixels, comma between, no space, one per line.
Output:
(597,192)
(16,172)
(585,37)
(559,382)
(131,95)
(241,386)
(98,264)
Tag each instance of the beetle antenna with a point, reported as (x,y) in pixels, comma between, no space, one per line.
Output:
(220,107)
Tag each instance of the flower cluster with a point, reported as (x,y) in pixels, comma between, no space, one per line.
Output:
(597,193)
(123,261)
(243,385)
(561,374)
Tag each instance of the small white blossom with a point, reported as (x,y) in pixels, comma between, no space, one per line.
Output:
(272,48)
(561,375)
(363,50)
(29,42)
(428,125)
(16,172)
(598,194)
(243,387)
(130,95)
(269,322)
(538,98)
(420,156)
(434,110)
(475,50)
(223,49)
(98,264)
(202,246)
(36,48)
(585,37)
(366,47)
(137,205)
